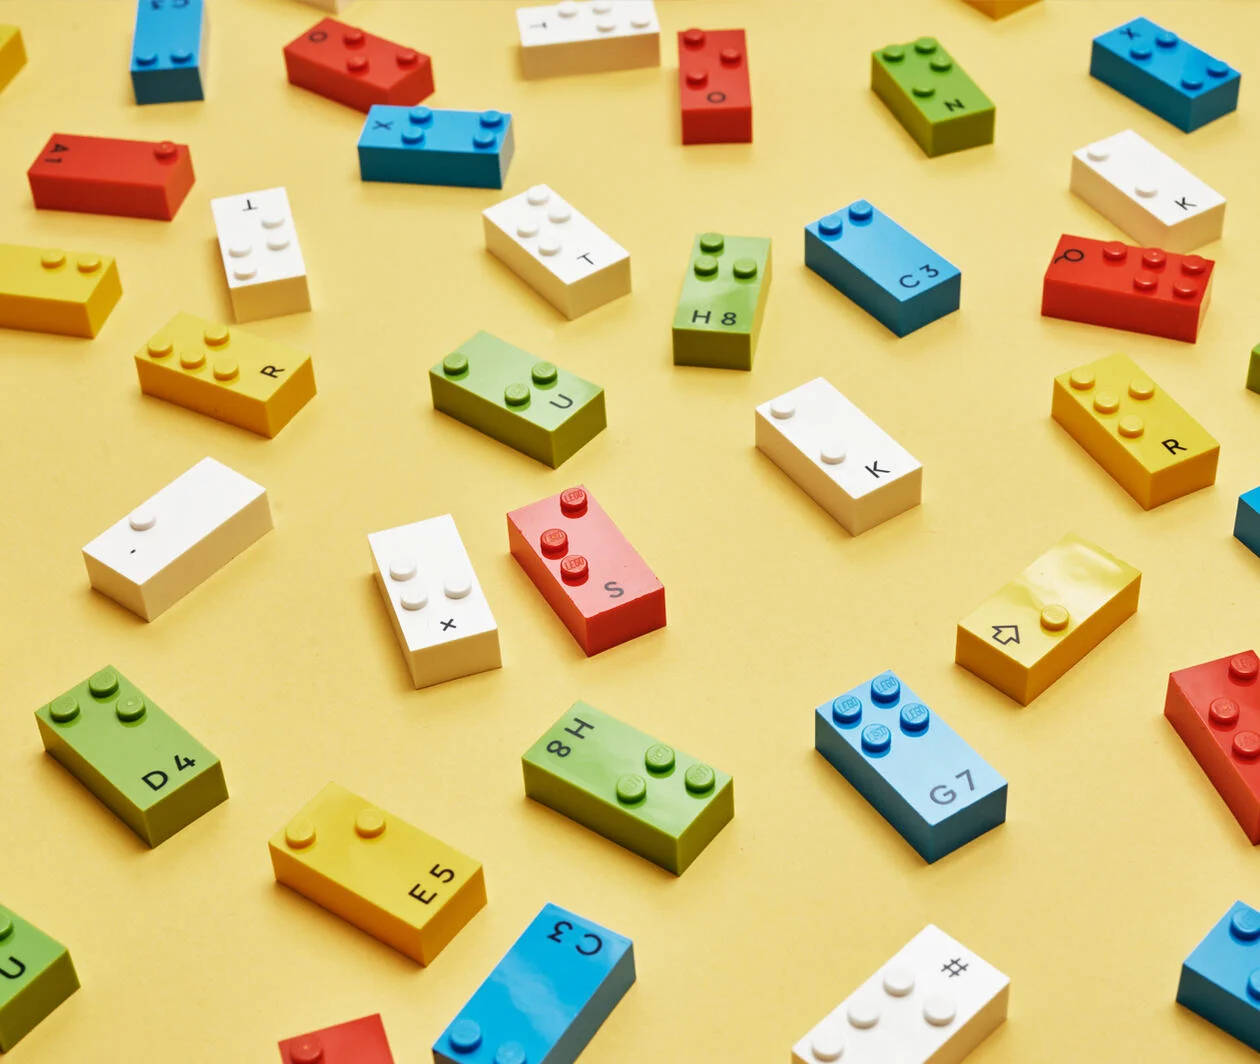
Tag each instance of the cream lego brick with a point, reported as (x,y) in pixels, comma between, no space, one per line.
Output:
(436,604)
(933,1003)
(261,256)
(588,37)
(169,544)
(1140,190)
(558,252)
(838,456)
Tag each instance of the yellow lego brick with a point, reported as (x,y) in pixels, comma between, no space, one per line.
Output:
(1048,618)
(228,374)
(1001,8)
(12,54)
(377,872)
(1134,430)
(46,290)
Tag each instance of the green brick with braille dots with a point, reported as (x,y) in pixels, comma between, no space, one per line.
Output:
(641,794)
(932,96)
(36,975)
(517,399)
(155,777)
(723,302)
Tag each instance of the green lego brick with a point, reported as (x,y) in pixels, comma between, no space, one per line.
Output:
(932,96)
(1253,370)
(723,301)
(641,794)
(36,975)
(155,777)
(517,399)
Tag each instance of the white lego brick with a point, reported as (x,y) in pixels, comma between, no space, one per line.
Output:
(935,1001)
(168,545)
(588,37)
(558,252)
(261,256)
(1143,192)
(439,613)
(838,456)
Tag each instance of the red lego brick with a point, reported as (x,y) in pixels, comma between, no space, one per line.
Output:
(357,1042)
(713,87)
(353,67)
(586,570)
(1146,290)
(101,175)
(1216,711)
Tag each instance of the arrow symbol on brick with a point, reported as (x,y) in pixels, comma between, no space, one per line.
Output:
(1006,634)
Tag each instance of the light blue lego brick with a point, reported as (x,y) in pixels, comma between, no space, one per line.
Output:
(893,276)
(1247,520)
(546,998)
(1220,980)
(427,146)
(1171,78)
(168,51)
(910,765)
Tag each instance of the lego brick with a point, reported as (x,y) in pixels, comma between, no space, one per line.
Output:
(155,777)
(1044,621)
(103,175)
(1220,980)
(423,146)
(838,456)
(588,37)
(1170,77)
(168,51)
(1000,8)
(1134,430)
(71,293)
(173,541)
(558,252)
(1253,370)
(243,380)
(1143,192)
(513,397)
(262,259)
(1247,520)
(334,6)
(377,872)
(896,278)
(932,1003)
(654,800)
(723,301)
(906,761)
(359,1041)
(12,54)
(546,999)
(355,68)
(436,605)
(1215,708)
(586,570)
(36,975)
(932,97)
(714,92)
(1146,290)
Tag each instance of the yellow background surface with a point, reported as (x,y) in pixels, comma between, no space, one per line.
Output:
(1117,857)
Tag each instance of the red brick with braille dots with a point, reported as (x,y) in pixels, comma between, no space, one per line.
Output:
(355,68)
(713,87)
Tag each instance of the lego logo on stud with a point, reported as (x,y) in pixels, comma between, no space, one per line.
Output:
(142,520)
(1243,668)
(574,569)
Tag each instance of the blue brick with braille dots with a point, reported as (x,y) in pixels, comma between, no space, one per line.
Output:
(1166,75)
(546,998)
(168,56)
(1220,980)
(428,146)
(896,278)
(917,772)
(1247,520)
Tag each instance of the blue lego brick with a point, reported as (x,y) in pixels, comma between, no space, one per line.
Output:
(1247,520)
(428,146)
(1220,980)
(168,51)
(1168,76)
(917,772)
(896,278)
(546,998)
